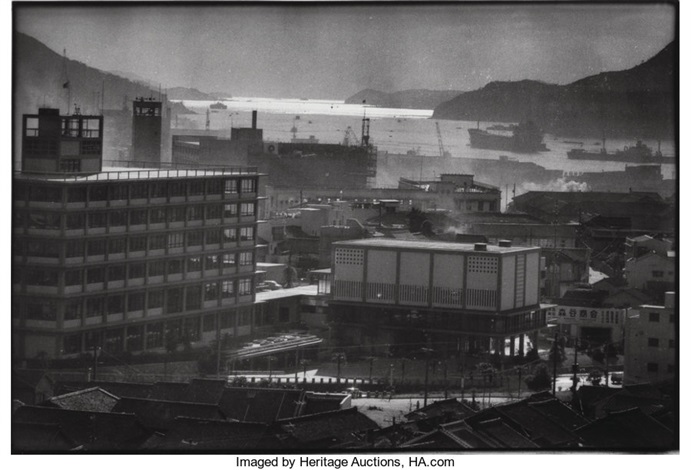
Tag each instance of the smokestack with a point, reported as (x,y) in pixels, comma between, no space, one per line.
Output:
(254,119)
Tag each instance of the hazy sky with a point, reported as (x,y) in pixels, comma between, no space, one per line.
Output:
(332,51)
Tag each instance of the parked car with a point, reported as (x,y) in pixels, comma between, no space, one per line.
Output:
(353,392)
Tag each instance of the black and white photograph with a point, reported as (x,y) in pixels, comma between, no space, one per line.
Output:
(329,235)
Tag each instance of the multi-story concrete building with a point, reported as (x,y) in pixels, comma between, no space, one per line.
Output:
(650,350)
(460,297)
(130,259)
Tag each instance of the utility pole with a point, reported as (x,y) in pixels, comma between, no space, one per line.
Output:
(554,368)
(575,367)
(520,371)
(426,351)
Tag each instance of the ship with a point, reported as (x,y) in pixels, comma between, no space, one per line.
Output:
(526,138)
(218,105)
(639,153)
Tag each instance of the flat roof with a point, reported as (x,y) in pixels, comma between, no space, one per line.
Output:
(312,289)
(431,246)
(130,173)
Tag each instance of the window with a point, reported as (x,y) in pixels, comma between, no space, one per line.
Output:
(210,291)
(135,302)
(75,221)
(41,277)
(118,192)
(230,210)
(213,237)
(43,248)
(44,220)
(214,211)
(283,315)
(157,242)
(214,187)
(247,233)
(230,234)
(95,275)
(98,192)
(194,238)
(116,245)
(672,318)
(156,298)
(116,272)
(154,335)
(194,264)
(228,260)
(77,194)
(230,186)
(227,289)
(159,189)
(43,311)
(174,266)
(246,258)
(209,323)
(196,188)
(211,262)
(97,219)
(227,319)
(45,194)
(652,367)
(195,213)
(246,208)
(174,300)
(244,316)
(653,342)
(118,218)
(116,304)
(71,165)
(136,270)
(176,188)
(176,214)
(138,217)
(138,243)
(73,310)
(157,268)
(658,274)
(94,306)
(74,248)
(671,344)
(139,191)
(176,240)
(96,247)
(654,317)
(245,286)
(158,215)
(193,298)
(73,278)
(249,185)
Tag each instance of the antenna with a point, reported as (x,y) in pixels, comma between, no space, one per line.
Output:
(103,94)
(365,125)
(66,79)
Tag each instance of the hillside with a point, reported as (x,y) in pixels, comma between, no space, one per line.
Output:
(638,102)
(413,99)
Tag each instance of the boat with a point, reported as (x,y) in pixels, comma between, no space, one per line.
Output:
(218,105)
(639,153)
(500,127)
(526,138)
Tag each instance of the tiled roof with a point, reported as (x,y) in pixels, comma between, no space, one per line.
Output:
(325,430)
(629,429)
(187,434)
(540,428)
(451,407)
(29,377)
(169,391)
(260,405)
(205,390)
(91,399)
(38,437)
(159,414)
(93,430)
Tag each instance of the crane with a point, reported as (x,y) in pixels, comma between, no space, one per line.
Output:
(442,152)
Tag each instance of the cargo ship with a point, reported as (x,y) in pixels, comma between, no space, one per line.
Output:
(526,138)
(639,153)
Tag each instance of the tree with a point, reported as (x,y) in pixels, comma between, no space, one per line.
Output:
(540,379)
(487,371)
(595,377)
(532,355)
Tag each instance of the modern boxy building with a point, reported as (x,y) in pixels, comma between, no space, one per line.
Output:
(459,297)
(131,259)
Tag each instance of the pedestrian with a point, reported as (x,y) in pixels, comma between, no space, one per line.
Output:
(417,405)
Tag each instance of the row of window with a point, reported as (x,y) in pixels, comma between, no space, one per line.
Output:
(655,343)
(120,272)
(654,367)
(156,334)
(136,190)
(117,218)
(119,245)
(654,317)
(170,300)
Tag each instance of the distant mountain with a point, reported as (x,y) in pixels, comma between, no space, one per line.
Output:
(638,102)
(181,93)
(414,99)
